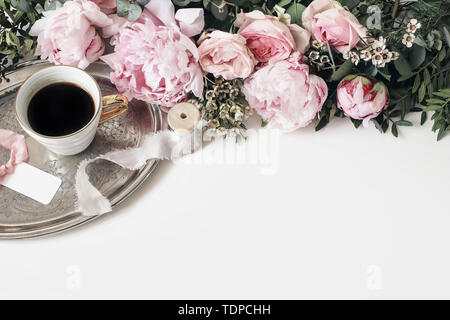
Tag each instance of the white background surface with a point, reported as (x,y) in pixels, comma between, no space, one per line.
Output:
(347,214)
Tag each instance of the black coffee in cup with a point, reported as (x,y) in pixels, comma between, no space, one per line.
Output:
(60,109)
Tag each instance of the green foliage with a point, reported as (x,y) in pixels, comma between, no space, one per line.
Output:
(220,14)
(16,19)
(418,81)
(419,73)
(53,4)
(132,9)
(439,103)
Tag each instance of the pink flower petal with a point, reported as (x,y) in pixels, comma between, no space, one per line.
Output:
(191,21)
(19,151)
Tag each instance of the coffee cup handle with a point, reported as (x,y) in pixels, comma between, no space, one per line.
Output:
(113,106)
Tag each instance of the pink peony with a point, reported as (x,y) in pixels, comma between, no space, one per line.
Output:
(270,39)
(19,151)
(328,21)
(226,55)
(68,35)
(362,98)
(153,61)
(105,4)
(285,94)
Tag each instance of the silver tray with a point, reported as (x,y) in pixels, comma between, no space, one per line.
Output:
(22,217)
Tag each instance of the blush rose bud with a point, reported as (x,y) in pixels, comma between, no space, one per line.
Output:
(362,98)
(329,21)
(285,94)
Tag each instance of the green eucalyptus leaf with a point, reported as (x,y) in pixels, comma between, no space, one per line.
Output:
(446,35)
(423,118)
(143,2)
(284,3)
(184,3)
(31,16)
(356,123)
(6,51)
(416,84)
(402,65)
(442,55)
(441,94)
(12,39)
(296,11)
(394,130)
(422,92)
(343,70)
(123,7)
(350,4)
(321,123)
(134,12)
(385,75)
(407,77)
(420,42)
(370,70)
(433,108)
(426,76)
(435,101)
(404,123)
(430,89)
(50,5)
(441,132)
(378,125)
(395,113)
(417,56)
(22,5)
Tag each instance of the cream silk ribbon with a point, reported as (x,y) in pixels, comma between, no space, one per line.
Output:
(19,151)
(164,145)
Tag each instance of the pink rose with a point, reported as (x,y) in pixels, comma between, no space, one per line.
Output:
(362,98)
(105,4)
(286,94)
(154,62)
(68,35)
(226,55)
(269,39)
(328,21)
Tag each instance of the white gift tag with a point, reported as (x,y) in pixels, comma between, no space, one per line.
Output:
(33,183)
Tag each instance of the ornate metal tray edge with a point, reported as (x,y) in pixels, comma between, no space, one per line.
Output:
(74,219)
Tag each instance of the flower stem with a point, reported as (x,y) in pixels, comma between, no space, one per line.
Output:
(395,10)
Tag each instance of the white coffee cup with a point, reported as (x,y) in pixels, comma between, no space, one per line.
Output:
(78,141)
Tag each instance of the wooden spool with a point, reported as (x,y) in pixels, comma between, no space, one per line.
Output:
(183,116)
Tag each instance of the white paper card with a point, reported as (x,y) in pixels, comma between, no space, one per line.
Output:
(33,183)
